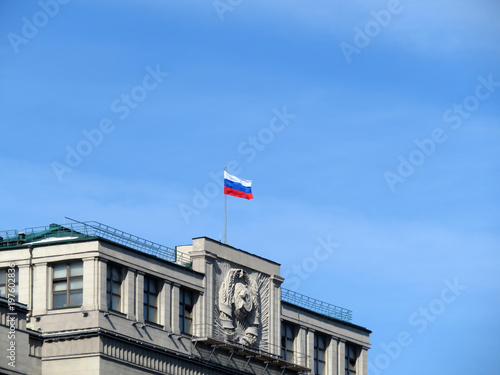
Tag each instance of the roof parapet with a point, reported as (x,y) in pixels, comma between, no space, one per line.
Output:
(91,229)
(315,305)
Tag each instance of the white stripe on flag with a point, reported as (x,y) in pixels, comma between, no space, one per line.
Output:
(246,183)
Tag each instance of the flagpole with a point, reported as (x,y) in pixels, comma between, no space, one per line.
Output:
(225,215)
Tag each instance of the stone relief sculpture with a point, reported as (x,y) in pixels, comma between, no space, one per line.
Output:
(239,307)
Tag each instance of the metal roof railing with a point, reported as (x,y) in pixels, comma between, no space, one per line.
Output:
(315,305)
(93,229)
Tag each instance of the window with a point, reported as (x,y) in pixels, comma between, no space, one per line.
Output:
(67,284)
(288,332)
(351,356)
(150,299)
(319,353)
(9,283)
(114,287)
(185,311)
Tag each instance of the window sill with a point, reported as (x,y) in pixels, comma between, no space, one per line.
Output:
(147,323)
(64,310)
(116,313)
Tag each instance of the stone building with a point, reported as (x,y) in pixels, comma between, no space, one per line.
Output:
(85,298)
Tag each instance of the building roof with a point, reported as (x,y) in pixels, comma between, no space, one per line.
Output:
(90,230)
(84,231)
(319,314)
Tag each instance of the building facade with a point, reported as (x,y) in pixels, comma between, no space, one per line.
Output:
(84,298)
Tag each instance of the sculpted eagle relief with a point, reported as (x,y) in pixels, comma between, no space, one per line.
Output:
(238,308)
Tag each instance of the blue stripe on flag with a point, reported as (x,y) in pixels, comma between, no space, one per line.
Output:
(237,186)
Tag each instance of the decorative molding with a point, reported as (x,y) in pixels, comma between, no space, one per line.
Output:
(202,254)
(277,278)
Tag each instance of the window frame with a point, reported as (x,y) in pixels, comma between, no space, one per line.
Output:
(355,350)
(109,287)
(288,336)
(68,279)
(147,293)
(5,284)
(320,349)
(186,308)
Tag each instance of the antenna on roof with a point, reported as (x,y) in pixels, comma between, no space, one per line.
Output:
(76,221)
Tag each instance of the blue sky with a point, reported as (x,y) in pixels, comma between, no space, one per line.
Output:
(374,126)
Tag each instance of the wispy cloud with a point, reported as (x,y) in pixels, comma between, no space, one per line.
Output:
(444,27)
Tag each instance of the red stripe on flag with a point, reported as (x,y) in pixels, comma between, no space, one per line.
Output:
(237,193)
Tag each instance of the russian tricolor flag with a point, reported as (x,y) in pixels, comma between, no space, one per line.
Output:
(237,187)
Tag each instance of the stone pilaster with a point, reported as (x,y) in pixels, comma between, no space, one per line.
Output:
(165,310)
(129,294)
(42,293)
(90,277)
(332,357)
(310,349)
(363,361)
(300,347)
(139,293)
(174,308)
(24,276)
(275,314)
(203,314)
(341,356)
(101,286)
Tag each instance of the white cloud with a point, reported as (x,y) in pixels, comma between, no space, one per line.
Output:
(424,26)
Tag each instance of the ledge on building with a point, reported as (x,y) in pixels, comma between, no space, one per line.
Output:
(250,353)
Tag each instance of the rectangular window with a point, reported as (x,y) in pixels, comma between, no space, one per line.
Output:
(150,299)
(288,333)
(186,311)
(351,357)
(320,343)
(114,280)
(9,283)
(67,287)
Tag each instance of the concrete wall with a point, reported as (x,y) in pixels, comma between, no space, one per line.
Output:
(338,333)
(14,338)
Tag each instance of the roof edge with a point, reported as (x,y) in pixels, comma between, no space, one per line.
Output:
(235,248)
